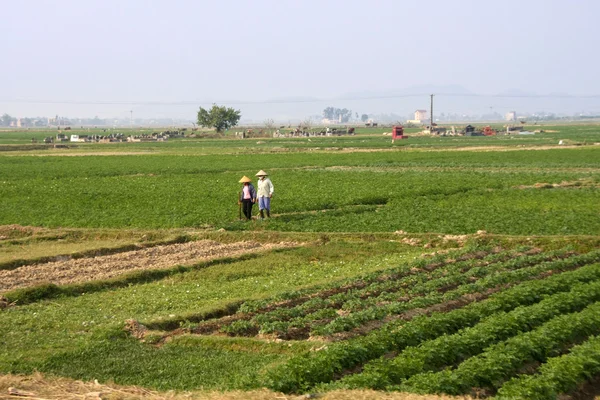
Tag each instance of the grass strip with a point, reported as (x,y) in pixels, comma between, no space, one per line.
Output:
(559,375)
(448,350)
(493,367)
(302,372)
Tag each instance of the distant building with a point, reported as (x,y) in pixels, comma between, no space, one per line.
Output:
(420,117)
(510,116)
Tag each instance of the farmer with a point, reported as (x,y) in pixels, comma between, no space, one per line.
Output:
(247,197)
(265,193)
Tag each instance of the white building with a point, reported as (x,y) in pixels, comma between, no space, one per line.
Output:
(420,117)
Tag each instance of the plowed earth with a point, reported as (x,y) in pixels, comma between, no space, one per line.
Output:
(109,266)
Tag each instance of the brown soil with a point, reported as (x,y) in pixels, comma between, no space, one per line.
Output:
(109,266)
(397,168)
(64,153)
(465,148)
(589,390)
(581,183)
(10,231)
(4,303)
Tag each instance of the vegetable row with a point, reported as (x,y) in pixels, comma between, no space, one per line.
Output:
(448,350)
(302,372)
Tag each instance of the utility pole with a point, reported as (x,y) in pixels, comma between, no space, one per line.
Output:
(131,119)
(431,115)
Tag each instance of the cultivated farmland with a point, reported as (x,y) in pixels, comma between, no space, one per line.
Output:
(438,266)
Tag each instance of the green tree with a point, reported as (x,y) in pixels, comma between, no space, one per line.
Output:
(336,113)
(27,122)
(220,118)
(364,117)
(345,113)
(329,113)
(5,120)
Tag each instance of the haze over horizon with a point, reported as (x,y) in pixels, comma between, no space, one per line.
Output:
(290,59)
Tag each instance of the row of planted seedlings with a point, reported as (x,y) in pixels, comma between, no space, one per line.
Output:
(502,361)
(303,372)
(454,284)
(450,350)
(391,287)
(292,304)
(564,374)
(345,311)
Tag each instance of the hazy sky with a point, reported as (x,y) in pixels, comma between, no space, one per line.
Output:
(78,51)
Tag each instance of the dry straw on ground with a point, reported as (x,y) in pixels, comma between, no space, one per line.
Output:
(112,265)
(39,387)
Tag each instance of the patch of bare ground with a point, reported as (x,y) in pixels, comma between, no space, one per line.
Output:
(4,303)
(397,168)
(40,387)
(507,148)
(59,152)
(9,231)
(113,265)
(578,184)
(465,148)
(589,390)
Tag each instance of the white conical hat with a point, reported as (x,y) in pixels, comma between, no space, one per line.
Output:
(261,173)
(245,179)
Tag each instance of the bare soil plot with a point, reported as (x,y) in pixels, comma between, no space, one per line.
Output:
(109,266)
(581,183)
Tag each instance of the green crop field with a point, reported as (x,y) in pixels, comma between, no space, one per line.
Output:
(466,266)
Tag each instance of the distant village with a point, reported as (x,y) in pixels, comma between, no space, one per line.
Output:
(342,117)
(112,137)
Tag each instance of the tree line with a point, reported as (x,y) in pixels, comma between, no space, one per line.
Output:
(341,114)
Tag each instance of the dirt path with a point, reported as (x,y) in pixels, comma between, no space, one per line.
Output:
(38,386)
(109,266)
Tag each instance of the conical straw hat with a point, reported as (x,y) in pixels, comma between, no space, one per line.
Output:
(245,179)
(261,173)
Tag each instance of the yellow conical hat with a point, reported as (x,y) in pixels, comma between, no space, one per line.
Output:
(261,173)
(245,179)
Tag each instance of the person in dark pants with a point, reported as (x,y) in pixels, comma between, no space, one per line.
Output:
(247,197)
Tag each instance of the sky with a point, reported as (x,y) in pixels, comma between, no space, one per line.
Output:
(288,59)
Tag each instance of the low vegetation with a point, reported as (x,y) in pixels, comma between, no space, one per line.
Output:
(399,268)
